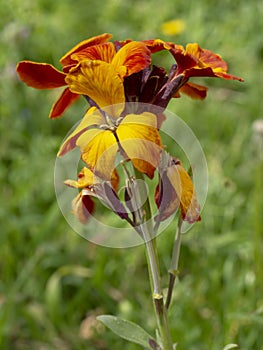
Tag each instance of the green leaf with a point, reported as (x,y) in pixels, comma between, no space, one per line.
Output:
(126,330)
(230,346)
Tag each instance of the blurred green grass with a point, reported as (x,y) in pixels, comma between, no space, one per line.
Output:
(53,283)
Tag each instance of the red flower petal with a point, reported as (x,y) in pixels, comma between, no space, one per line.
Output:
(40,75)
(64,101)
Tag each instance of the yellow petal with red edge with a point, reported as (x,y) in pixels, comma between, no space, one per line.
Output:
(40,75)
(96,40)
(133,56)
(184,188)
(140,140)
(100,82)
(64,101)
(93,118)
(82,207)
(104,52)
(99,148)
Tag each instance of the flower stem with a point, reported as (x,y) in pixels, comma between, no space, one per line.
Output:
(173,271)
(153,265)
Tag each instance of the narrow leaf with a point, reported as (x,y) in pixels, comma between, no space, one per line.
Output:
(126,330)
(230,346)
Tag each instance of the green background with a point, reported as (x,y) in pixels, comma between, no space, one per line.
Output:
(54,283)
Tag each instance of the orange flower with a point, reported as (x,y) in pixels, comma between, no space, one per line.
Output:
(176,189)
(102,133)
(126,61)
(192,62)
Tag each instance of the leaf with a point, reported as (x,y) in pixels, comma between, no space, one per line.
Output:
(126,330)
(230,346)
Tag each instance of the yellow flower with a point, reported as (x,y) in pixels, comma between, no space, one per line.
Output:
(173,27)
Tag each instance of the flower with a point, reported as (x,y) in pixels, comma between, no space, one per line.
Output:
(175,189)
(125,61)
(173,27)
(101,136)
(92,186)
(192,62)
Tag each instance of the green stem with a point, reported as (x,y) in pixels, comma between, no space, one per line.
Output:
(153,264)
(173,271)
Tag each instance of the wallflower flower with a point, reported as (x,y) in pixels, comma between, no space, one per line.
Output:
(126,61)
(192,62)
(92,187)
(176,190)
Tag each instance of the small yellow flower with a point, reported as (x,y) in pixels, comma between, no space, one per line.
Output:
(173,27)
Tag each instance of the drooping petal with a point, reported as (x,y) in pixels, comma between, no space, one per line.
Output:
(195,61)
(140,140)
(195,91)
(82,207)
(40,75)
(104,52)
(96,40)
(166,199)
(100,82)
(99,148)
(93,118)
(184,188)
(64,101)
(134,56)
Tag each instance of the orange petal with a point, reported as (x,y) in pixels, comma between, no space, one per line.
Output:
(141,141)
(206,57)
(96,40)
(195,91)
(104,52)
(64,101)
(134,56)
(82,207)
(156,45)
(99,148)
(40,75)
(92,118)
(100,82)
(184,188)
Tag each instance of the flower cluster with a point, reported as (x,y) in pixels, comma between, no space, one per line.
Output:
(127,98)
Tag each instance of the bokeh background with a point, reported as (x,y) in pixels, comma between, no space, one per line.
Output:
(53,282)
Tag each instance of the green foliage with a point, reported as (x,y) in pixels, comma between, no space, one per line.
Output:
(126,330)
(47,299)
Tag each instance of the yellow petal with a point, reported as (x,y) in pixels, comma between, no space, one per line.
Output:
(99,81)
(98,148)
(141,141)
(92,117)
(86,178)
(183,185)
